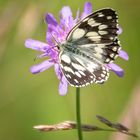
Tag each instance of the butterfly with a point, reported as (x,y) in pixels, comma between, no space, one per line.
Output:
(89,46)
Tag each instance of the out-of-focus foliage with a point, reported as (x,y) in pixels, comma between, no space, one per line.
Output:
(27,100)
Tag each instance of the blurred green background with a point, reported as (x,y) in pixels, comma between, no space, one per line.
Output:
(27,100)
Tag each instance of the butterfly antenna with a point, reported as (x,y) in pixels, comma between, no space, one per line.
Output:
(35,58)
(38,56)
(57,43)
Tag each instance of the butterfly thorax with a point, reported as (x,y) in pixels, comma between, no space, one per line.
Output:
(74,49)
(71,48)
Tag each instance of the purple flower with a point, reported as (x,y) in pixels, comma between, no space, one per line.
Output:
(59,31)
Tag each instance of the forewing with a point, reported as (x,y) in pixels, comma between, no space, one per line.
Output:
(81,71)
(98,35)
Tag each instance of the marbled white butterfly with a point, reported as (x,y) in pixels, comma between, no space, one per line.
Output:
(89,46)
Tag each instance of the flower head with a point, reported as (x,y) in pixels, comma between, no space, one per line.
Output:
(60,31)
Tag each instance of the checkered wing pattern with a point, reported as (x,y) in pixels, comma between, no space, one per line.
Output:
(91,44)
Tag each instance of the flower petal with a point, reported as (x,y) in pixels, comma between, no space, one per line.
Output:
(58,71)
(77,16)
(65,12)
(41,67)
(119,30)
(54,30)
(63,86)
(63,82)
(36,45)
(119,71)
(50,19)
(66,19)
(87,10)
(123,55)
(49,39)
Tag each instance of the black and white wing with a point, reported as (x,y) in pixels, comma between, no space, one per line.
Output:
(81,71)
(93,43)
(98,33)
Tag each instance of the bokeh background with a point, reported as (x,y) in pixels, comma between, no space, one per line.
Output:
(27,100)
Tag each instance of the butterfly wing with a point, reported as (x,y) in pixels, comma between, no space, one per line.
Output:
(95,43)
(97,34)
(81,71)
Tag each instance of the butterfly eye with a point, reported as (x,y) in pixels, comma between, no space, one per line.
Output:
(58,48)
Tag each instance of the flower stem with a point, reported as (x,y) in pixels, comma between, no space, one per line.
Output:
(78,114)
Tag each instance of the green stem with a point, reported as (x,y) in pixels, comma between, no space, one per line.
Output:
(78,114)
